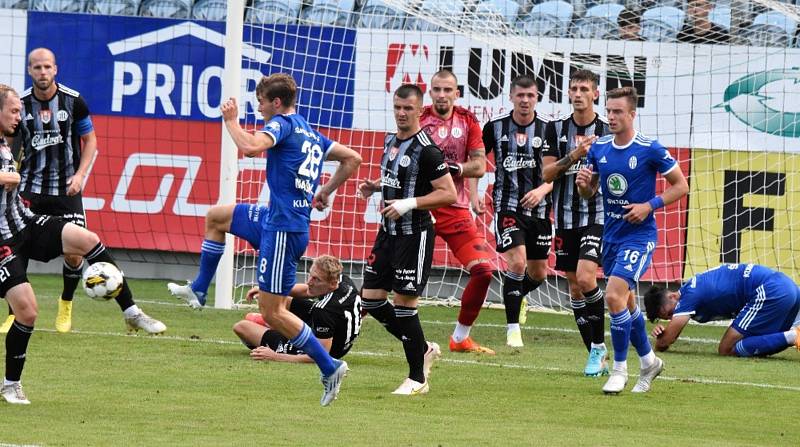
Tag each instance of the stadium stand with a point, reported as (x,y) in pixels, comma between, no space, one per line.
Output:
(441,8)
(330,12)
(210,10)
(772,29)
(114,7)
(58,5)
(377,14)
(171,9)
(274,11)
(662,23)
(14,4)
(508,9)
(600,22)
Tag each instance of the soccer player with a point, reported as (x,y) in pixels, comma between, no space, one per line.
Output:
(579,222)
(25,235)
(625,164)
(456,132)
(59,145)
(414,179)
(521,199)
(329,303)
(762,302)
(295,153)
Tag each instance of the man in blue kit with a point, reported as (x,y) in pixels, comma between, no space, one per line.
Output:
(295,153)
(626,164)
(762,302)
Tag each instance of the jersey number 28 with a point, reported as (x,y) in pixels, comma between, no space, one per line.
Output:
(310,166)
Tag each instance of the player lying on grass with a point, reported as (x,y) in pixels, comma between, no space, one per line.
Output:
(762,302)
(329,303)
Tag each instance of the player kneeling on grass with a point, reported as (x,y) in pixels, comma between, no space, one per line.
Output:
(329,303)
(762,302)
(25,235)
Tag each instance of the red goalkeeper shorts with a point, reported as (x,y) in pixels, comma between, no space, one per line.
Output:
(457,227)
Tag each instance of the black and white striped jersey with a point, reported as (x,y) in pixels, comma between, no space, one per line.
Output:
(407,169)
(337,315)
(53,151)
(14,215)
(570,209)
(518,162)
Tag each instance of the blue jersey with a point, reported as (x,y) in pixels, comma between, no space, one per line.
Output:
(294,164)
(628,175)
(720,293)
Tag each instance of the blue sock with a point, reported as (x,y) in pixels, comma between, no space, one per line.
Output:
(639,338)
(761,345)
(620,334)
(306,341)
(210,254)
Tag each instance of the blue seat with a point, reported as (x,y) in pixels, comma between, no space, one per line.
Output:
(507,9)
(113,7)
(771,29)
(721,16)
(662,24)
(14,4)
(57,5)
(329,12)
(274,11)
(171,9)
(377,14)
(210,10)
(600,22)
(548,19)
(450,9)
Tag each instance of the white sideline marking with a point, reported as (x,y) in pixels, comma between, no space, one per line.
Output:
(446,360)
(3,444)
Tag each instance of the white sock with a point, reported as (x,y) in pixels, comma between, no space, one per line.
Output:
(621,366)
(791,336)
(132,311)
(648,359)
(461,332)
(513,327)
(7,382)
(600,346)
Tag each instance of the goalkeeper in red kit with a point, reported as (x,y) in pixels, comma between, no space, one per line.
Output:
(457,132)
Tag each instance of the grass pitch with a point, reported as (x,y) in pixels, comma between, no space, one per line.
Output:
(196,386)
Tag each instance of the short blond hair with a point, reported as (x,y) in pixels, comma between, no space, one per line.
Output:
(6,90)
(330,266)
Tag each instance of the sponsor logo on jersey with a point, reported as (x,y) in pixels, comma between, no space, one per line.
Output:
(629,268)
(441,167)
(62,115)
(521,139)
(563,139)
(603,160)
(300,203)
(409,286)
(45,116)
(303,185)
(512,163)
(390,181)
(456,132)
(616,184)
(504,138)
(40,141)
(405,160)
(632,162)
(28,117)
(592,252)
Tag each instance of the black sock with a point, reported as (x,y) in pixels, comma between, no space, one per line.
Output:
(16,347)
(71,276)
(512,295)
(100,254)
(581,320)
(414,341)
(383,311)
(529,284)
(596,314)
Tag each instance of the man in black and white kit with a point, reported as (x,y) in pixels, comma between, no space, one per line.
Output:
(579,221)
(523,230)
(414,179)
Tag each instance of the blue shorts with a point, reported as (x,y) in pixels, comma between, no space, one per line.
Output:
(627,260)
(773,308)
(247,223)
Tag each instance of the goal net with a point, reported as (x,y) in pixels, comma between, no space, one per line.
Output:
(718,85)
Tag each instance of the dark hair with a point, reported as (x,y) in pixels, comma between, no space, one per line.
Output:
(5,92)
(625,92)
(653,300)
(523,81)
(585,76)
(444,73)
(628,18)
(278,85)
(407,90)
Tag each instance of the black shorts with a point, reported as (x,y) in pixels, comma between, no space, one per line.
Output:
(39,240)
(400,263)
(514,229)
(578,243)
(70,208)
(280,344)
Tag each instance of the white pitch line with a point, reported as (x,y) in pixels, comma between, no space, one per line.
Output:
(698,380)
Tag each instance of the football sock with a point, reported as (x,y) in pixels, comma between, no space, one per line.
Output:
(383,311)
(306,341)
(647,360)
(474,293)
(16,347)
(512,295)
(461,332)
(512,327)
(529,284)
(791,336)
(71,276)
(596,314)
(761,345)
(639,338)
(414,344)
(210,254)
(100,254)
(585,329)
(131,311)
(621,334)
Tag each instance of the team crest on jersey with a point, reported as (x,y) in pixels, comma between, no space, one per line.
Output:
(45,116)
(405,160)
(62,115)
(521,139)
(632,162)
(393,153)
(536,142)
(274,126)
(616,184)
(442,132)
(456,132)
